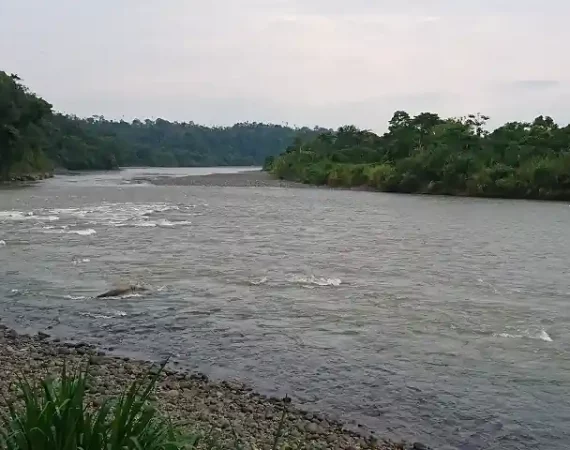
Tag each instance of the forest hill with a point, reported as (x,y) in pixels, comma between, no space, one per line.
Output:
(34,139)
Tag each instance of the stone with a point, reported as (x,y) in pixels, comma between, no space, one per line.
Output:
(172,394)
(42,336)
(312,427)
(420,446)
(11,334)
(96,360)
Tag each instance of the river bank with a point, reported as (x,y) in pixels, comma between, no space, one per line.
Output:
(13,178)
(250,178)
(193,401)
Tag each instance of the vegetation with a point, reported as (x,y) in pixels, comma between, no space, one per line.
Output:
(22,136)
(56,415)
(34,139)
(428,154)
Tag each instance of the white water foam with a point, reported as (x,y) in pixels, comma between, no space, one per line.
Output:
(122,297)
(11,215)
(145,224)
(541,335)
(53,230)
(19,216)
(258,282)
(2,243)
(316,281)
(95,315)
(46,218)
(108,315)
(72,297)
(87,232)
(135,295)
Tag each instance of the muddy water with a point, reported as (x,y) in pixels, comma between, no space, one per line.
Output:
(445,320)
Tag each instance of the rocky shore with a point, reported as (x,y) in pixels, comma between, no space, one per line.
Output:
(29,177)
(227,409)
(240,179)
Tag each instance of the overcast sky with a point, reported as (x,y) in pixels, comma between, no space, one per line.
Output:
(306,62)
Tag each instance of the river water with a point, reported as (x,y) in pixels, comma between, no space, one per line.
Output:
(444,320)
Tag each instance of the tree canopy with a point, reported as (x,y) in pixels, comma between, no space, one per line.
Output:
(428,154)
(34,138)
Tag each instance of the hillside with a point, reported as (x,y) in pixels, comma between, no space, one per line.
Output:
(34,139)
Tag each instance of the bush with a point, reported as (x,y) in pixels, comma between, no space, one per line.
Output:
(56,416)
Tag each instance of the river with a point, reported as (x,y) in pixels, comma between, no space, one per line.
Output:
(444,320)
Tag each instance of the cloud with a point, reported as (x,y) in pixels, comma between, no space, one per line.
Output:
(313,61)
(533,84)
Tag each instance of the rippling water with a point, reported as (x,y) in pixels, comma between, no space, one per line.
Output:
(438,319)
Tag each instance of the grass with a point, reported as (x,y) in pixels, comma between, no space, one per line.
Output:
(55,415)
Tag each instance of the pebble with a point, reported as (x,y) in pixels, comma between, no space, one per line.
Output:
(96,360)
(312,428)
(172,394)
(420,446)
(231,409)
(42,336)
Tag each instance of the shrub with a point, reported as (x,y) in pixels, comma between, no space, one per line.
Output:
(56,416)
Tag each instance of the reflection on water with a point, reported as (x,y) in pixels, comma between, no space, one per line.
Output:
(436,318)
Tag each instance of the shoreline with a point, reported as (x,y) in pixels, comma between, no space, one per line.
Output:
(191,399)
(266,179)
(246,178)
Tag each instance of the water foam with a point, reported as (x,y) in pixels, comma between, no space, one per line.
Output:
(71,297)
(541,335)
(86,232)
(258,282)
(2,243)
(317,281)
(77,260)
(145,224)
(12,215)
(111,314)
(19,216)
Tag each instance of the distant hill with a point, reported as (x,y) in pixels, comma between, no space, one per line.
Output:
(35,139)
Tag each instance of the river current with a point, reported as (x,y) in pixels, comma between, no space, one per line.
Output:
(443,320)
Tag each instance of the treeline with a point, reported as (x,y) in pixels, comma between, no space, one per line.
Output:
(35,139)
(428,154)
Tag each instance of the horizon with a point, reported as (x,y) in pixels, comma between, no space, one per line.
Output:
(304,64)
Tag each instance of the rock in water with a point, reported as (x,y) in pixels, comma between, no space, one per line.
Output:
(122,291)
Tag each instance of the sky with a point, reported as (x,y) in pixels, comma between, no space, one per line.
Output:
(301,62)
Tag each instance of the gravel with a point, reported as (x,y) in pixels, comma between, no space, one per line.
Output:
(240,179)
(230,409)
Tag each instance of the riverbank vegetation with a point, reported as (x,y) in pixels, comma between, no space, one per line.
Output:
(56,414)
(428,154)
(34,139)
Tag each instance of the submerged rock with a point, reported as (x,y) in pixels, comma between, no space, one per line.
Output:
(117,292)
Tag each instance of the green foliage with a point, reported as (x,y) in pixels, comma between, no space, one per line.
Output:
(22,116)
(428,154)
(56,416)
(33,139)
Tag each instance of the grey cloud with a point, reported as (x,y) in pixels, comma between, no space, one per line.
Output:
(533,84)
(300,61)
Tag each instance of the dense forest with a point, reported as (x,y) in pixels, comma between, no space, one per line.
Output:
(428,154)
(34,139)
